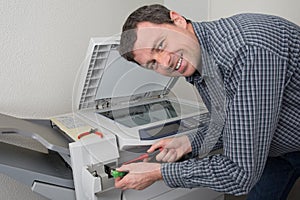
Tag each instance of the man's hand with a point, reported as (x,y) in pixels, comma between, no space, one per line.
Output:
(172,148)
(140,175)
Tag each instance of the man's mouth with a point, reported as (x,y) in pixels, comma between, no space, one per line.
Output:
(179,62)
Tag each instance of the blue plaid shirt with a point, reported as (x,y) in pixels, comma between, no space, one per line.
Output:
(258,59)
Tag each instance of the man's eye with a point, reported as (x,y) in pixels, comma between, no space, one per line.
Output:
(153,65)
(160,45)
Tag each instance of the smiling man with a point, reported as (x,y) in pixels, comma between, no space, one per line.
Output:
(247,71)
(170,48)
(155,48)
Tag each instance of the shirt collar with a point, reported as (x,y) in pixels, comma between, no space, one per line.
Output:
(196,77)
(201,36)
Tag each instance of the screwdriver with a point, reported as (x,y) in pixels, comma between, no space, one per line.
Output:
(144,156)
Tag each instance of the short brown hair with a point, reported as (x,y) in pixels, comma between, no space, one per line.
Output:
(155,13)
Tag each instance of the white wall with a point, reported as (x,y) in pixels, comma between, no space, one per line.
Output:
(196,10)
(43,44)
(289,9)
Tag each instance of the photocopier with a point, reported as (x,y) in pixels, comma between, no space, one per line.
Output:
(119,110)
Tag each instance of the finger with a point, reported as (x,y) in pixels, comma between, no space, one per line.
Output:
(168,157)
(118,179)
(124,187)
(159,145)
(173,158)
(118,183)
(161,155)
(155,146)
(123,168)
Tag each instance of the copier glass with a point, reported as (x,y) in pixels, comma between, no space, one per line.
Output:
(119,110)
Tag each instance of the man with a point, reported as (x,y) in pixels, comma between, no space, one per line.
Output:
(247,70)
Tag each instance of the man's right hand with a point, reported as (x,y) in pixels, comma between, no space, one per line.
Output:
(172,148)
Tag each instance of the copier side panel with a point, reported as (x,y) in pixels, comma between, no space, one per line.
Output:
(89,156)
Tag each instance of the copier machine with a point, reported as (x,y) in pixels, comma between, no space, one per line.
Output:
(119,110)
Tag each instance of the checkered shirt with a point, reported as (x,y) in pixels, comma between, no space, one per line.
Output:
(257,58)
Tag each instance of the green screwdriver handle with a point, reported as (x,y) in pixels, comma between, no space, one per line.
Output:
(117,174)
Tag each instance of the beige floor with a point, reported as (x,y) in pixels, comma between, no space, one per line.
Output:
(294,195)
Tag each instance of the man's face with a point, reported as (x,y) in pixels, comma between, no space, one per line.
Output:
(168,49)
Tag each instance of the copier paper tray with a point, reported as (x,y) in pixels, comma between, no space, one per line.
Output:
(48,174)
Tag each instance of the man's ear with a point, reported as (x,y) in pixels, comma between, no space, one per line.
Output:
(178,19)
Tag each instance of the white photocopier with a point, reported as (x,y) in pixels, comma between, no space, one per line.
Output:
(119,110)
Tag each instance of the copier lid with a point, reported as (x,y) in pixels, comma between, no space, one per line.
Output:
(109,77)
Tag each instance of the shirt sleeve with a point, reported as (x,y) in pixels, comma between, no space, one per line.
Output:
(252,111)
(197,138)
